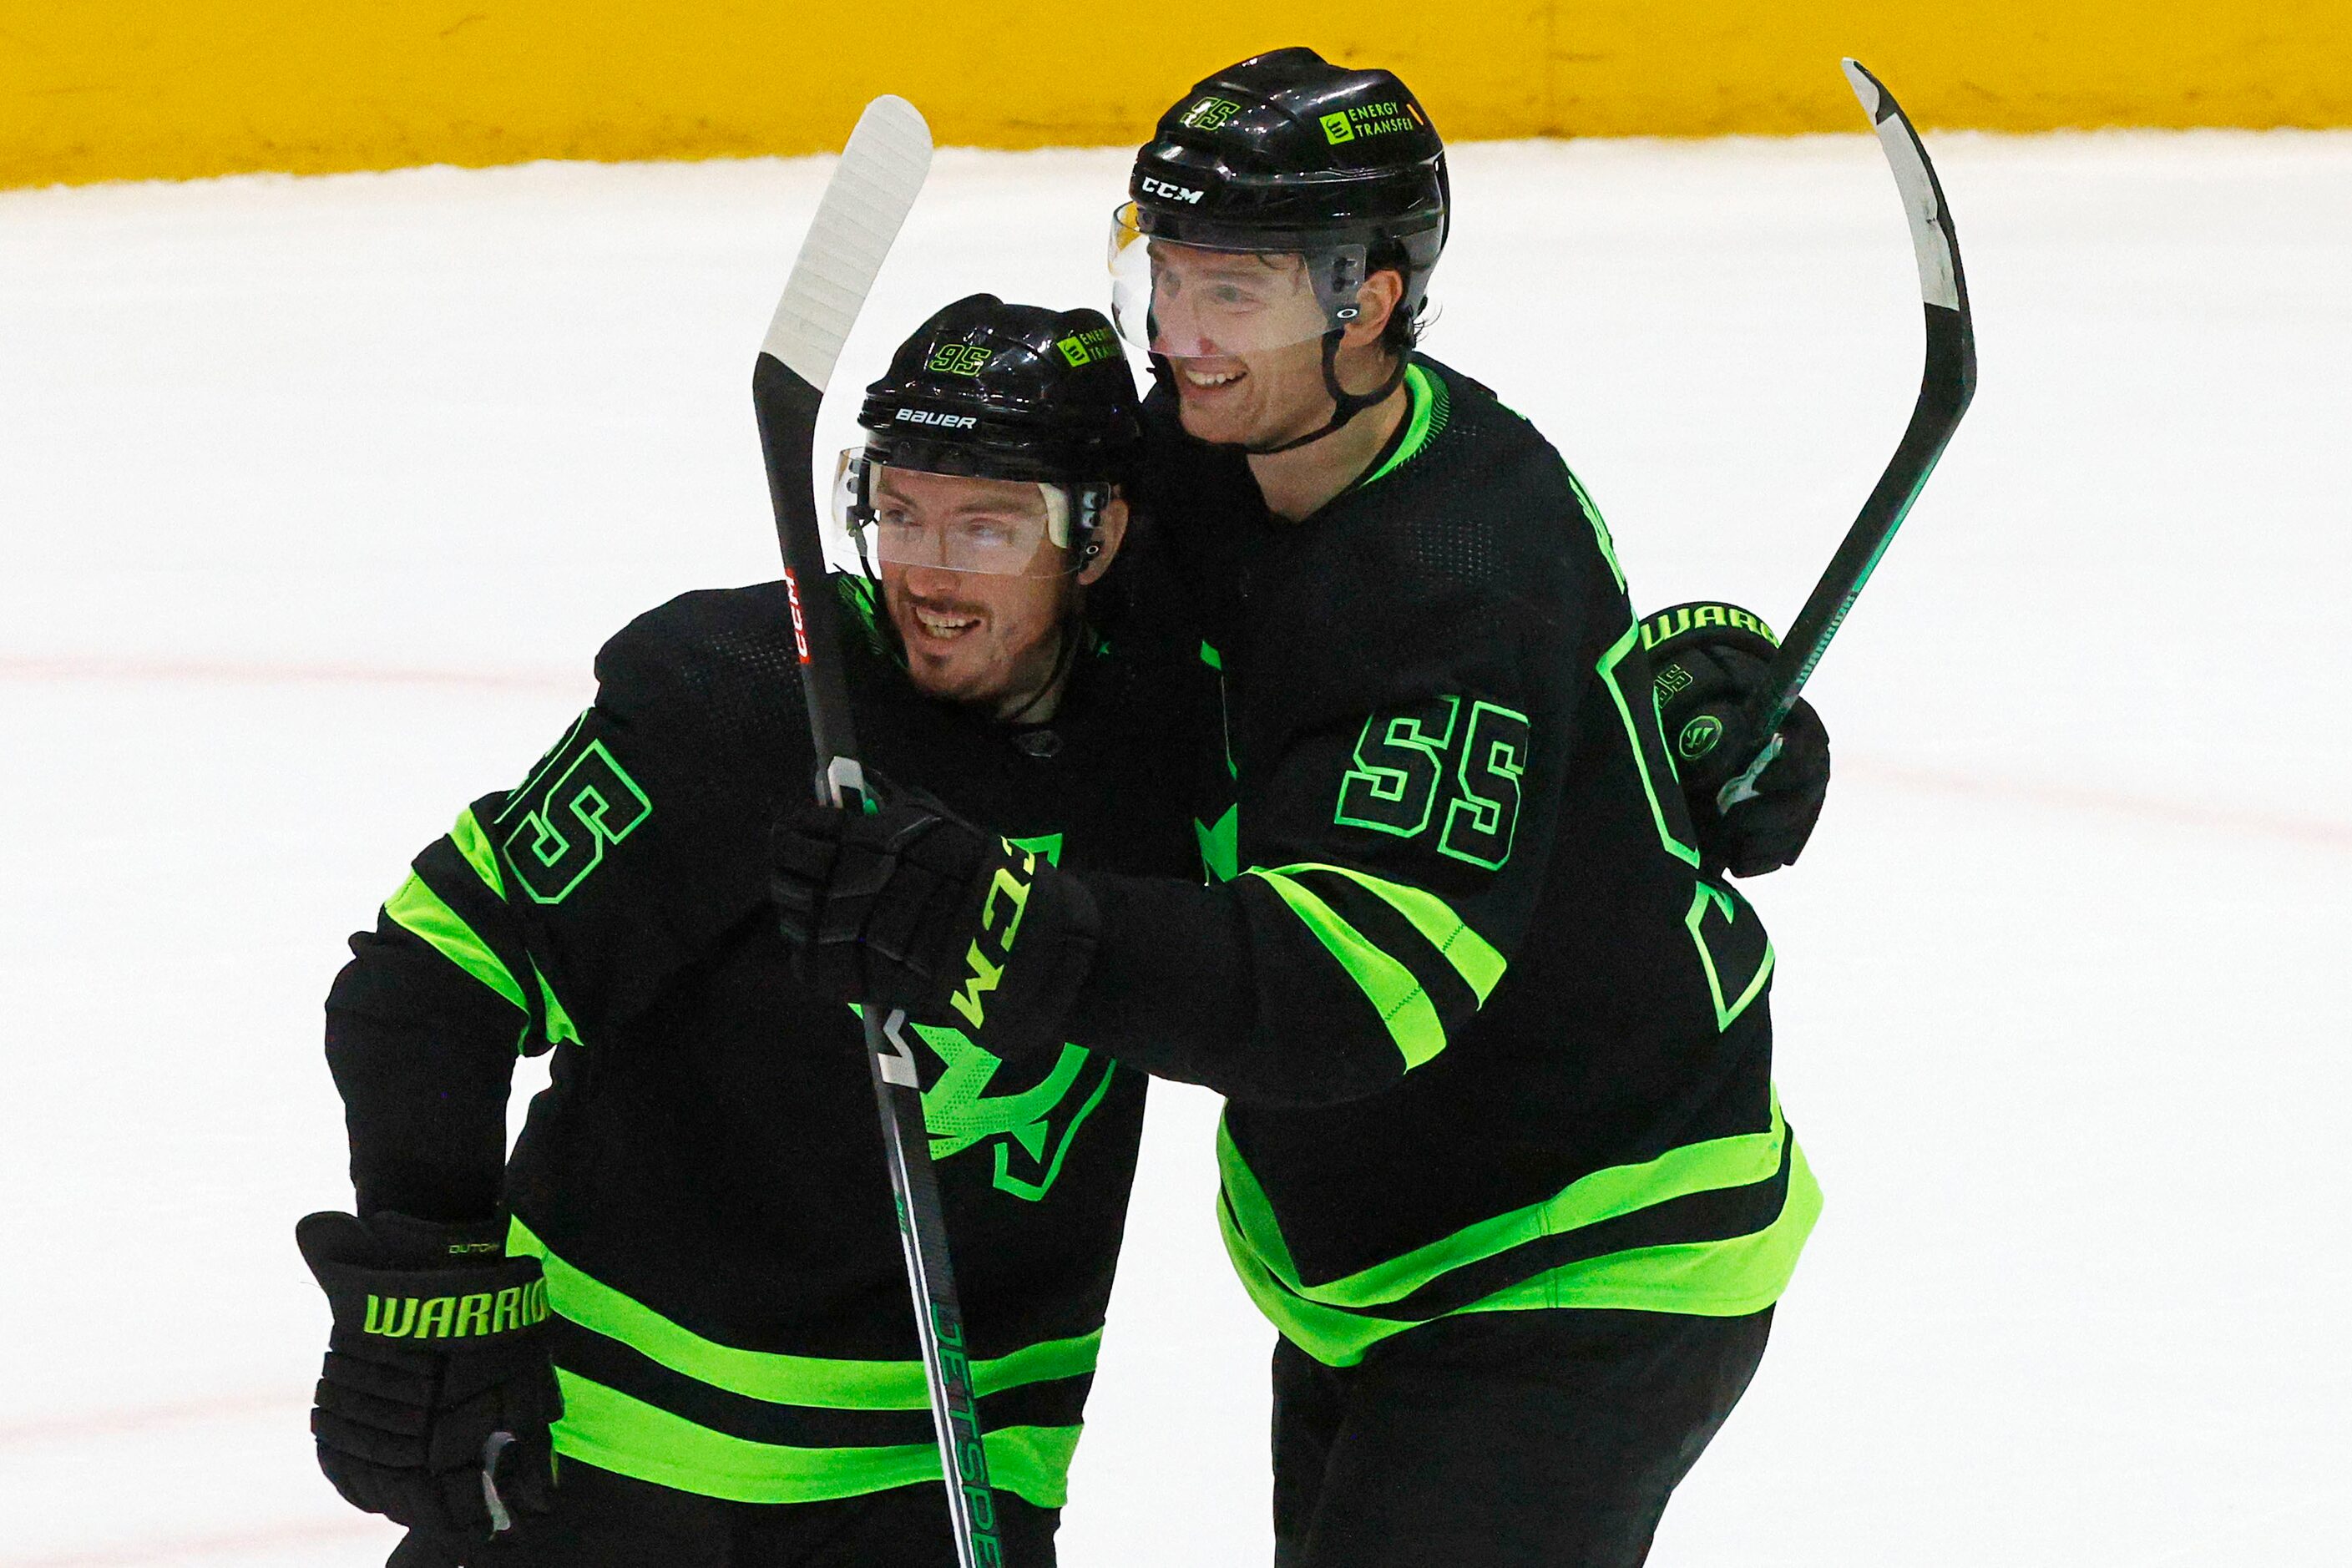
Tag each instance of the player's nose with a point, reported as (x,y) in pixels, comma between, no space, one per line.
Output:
(1176,331)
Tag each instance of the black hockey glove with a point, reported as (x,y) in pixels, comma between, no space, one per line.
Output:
(434,1406)
(1711,659)
(911,906)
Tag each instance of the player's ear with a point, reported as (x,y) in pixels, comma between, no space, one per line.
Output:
(1376,300)
(1102,544)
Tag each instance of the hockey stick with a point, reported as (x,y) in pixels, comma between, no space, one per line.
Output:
(882,170)
(1944,388)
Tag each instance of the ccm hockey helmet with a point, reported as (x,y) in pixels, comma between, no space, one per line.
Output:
(1287,152)
(988,390)
(1283,154)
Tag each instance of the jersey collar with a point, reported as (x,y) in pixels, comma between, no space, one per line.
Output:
(1425,419)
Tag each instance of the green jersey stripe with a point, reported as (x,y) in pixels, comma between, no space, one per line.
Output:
(612,1431)
(560,1026)
(1727,1012)
(780,1379)
(475,846)
(1473,958)
(1390,987)
(1739,1160)
(1607,666)
(1599,528)
(1729,1278)
(423,912)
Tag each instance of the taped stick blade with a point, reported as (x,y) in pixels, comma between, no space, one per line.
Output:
(1933,245)
(1866,87)
(882,170)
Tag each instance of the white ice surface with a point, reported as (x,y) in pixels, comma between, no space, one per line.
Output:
(317,495)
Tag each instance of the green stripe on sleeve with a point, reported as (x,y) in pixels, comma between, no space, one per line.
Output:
(560,1026)
(475,846)
(1472,956)
(1403,1006)
(609,1430)
(781,1379)
(419,909)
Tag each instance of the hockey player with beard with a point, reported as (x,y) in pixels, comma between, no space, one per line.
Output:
(674,1328)
(1503,1160)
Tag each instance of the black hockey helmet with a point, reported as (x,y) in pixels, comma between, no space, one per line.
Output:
(1287,152)
(988,390)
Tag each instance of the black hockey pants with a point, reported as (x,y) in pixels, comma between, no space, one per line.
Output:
(604,1520)
(1539,1440)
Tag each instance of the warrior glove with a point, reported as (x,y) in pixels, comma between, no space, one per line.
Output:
(1708,661)
(434,1406)
(910,906)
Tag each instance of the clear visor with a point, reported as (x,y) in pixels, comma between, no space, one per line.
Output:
(952,522)
(1194,301)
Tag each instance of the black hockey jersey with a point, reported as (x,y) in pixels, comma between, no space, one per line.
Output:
(1493,1040)
(704,1179)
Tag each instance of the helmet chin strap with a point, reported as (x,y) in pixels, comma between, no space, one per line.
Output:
(1345,405)
(1070,630)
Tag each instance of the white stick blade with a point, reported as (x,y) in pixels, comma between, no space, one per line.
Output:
(1931,245)
(1863,87)
(881,172)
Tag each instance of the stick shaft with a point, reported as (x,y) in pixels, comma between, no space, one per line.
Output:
(881,170)
(1946,385)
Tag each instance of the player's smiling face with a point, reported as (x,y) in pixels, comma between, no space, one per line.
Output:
(974,586)
(1243,333)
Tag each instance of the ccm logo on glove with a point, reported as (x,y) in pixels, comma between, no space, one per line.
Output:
(1008,890)
(911,905)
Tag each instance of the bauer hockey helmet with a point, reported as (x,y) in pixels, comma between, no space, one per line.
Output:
(1287,153)
(988,390)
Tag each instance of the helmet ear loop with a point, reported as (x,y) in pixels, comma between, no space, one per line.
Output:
(1074,513)
(1088,505)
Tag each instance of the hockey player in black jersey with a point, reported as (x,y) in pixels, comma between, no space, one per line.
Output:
(1503,1160)
(696,1230)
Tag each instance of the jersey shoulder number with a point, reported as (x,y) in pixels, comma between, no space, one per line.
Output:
(554,830)
(1463,754)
